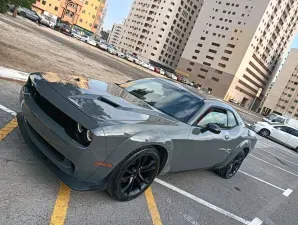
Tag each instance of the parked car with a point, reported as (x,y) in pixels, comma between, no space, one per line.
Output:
(28,13)
(49,21)
(78,36)
(120,54)
(284,134)
(161,71)
(111,50)
(91,41)
(145,65)
(97,135)
(174,77)
(63,28)
(156,69)
(151,67)
(103,46)
(168,74)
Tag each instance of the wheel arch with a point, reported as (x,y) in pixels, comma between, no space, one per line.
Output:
(163,144)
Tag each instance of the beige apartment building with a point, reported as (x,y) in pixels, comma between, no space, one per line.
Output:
(115,35)
(283,96)
(237,45)
(158,30)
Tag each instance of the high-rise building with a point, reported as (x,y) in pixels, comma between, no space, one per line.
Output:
(158,30)
(283,96)
(83,14)
(237,45)
(115,35)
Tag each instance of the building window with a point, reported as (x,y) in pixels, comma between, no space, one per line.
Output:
(200,76)
(189,69)
(218,71)
(225,58)
(56,8)
(50,4)
(90,24)
(207,64)
(194,57)
(192,63)
(43,2)
(200,45)
(215,79)
(93,16)
(215,44)
(197,51)
(81,20)
(209,57)
(203,38)
(83,11)
(212,51)
(221,65)
(204,70)
(228,52)
(86,3)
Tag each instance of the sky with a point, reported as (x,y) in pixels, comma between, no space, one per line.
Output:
(119,9)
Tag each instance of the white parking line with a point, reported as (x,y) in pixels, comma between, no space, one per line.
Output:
(203,202)
(287,192)
(273,165)
(265,182)
(279,157)
(256,221)
(8,110)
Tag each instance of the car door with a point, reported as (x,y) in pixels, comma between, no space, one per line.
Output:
(293,140)
(280,133)
(204,148)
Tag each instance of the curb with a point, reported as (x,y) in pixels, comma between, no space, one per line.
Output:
(14,75)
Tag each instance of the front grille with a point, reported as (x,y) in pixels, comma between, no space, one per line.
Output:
(56,114)
(52,111)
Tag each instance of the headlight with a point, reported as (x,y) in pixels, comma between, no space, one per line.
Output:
(88,136)
(79,128)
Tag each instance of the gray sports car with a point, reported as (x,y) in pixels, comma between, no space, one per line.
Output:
(119,137)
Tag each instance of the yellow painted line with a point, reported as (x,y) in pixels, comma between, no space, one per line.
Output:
(61,205)
(8,128)
(152,207)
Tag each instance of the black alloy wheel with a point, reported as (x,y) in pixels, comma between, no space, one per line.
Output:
(264,133)
(22,14)
(135,174)
(231,169)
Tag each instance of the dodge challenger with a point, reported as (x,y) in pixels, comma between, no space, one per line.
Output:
(118,137)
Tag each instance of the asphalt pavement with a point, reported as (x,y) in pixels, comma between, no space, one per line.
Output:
(263,192)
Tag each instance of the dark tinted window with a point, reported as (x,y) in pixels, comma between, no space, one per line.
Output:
(283,128)
(232,121)
(279,120)
(166,97)
(295,132)
(217,116)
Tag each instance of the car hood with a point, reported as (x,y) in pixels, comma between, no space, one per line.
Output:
(105,102)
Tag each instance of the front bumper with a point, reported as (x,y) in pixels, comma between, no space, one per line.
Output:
(70,161)
(38,145)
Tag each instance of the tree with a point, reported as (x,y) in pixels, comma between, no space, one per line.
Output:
(16,3)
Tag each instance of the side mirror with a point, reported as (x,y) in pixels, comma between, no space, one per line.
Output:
(214,128)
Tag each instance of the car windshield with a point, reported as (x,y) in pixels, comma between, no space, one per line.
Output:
(270,117)
(166,97)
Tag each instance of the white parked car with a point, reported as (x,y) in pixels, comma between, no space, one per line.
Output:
(130,57)
(91,41)
(151,67)
(112,50)
(174,77)
(138,61)
(145,65)
(161,71)
(120,54)
(79,36)
(274,118)
(103,46)
(282,133)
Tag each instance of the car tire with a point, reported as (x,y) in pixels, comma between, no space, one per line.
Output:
(264,133)
(231,169)
(22,14)
(134,174)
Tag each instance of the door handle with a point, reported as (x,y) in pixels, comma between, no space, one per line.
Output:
(227,137)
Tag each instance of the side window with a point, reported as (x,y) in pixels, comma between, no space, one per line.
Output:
(283,128)
(232,121)
(279,120)
(295,132)
(217,116)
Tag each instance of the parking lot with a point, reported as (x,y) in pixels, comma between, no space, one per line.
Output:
(263,192)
